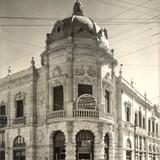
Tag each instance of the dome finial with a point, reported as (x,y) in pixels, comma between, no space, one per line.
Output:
(77,9)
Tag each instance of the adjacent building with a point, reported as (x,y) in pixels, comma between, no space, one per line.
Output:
(74,107)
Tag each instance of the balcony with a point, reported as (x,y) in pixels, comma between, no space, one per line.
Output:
(56,114)
(19,120)
(84,113)
(3,121)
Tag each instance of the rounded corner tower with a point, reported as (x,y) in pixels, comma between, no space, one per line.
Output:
(79,78)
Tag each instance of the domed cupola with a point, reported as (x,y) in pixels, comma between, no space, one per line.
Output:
(77,26)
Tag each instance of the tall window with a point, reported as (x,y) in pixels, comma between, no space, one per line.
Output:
(144,121)
(136,119)
(140,119)
(2,110)
(128,113)
(19,108)
(149,125)
(157,128)
(58,98)
(107,99)
(153,127)
(84,89)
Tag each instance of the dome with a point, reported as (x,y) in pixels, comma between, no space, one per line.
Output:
(77,26)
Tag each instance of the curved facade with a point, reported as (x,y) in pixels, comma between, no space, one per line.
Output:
(74,107)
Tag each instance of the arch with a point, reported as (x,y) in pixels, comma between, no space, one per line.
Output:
(58,145)
(85,145)
(128,143)
(19,148)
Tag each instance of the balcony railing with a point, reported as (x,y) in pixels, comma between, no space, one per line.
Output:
(19,120)
(83,113)
(56,114)
(3,121)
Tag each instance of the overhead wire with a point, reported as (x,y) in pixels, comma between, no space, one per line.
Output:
(20,42)
(138,50)
(153,9)
(128,9)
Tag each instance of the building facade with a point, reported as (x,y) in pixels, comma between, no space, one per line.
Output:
(74,107)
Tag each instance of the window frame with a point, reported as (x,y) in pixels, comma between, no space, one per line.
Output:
(53,98)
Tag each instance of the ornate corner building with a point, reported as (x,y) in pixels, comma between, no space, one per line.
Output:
(74,107)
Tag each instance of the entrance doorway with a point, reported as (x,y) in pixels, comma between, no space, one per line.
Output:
(59,146)
(19,152)
(128,151)
(84,145)
(106,148)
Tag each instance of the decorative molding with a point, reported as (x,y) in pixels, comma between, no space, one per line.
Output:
(108,76)
(92,71)
(20,96)
(69,126)
(79,71)
(57,72)
(108,86)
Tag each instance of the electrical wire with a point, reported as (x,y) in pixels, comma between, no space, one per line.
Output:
(138,50)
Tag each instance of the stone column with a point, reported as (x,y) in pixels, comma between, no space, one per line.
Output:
(99,151)
(46,71)
(70,151)
(69,86)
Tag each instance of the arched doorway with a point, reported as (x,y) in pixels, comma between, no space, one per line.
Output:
(84,145)
(128,150)
(58,146)
(19,150)
(106,148)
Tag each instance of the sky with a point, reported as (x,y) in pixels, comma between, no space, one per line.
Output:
(133,28)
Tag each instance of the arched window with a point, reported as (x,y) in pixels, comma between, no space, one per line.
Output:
(85,145)
(106,149)
(128,144)
(59,146)
(128,150)
(19,148)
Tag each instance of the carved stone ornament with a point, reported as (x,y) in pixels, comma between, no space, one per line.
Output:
(92,71)
(108,76)
(86,101)
(57,72)
(79,71)
(70,130)
(20,95)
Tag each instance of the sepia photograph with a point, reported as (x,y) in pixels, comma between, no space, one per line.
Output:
(79,80)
